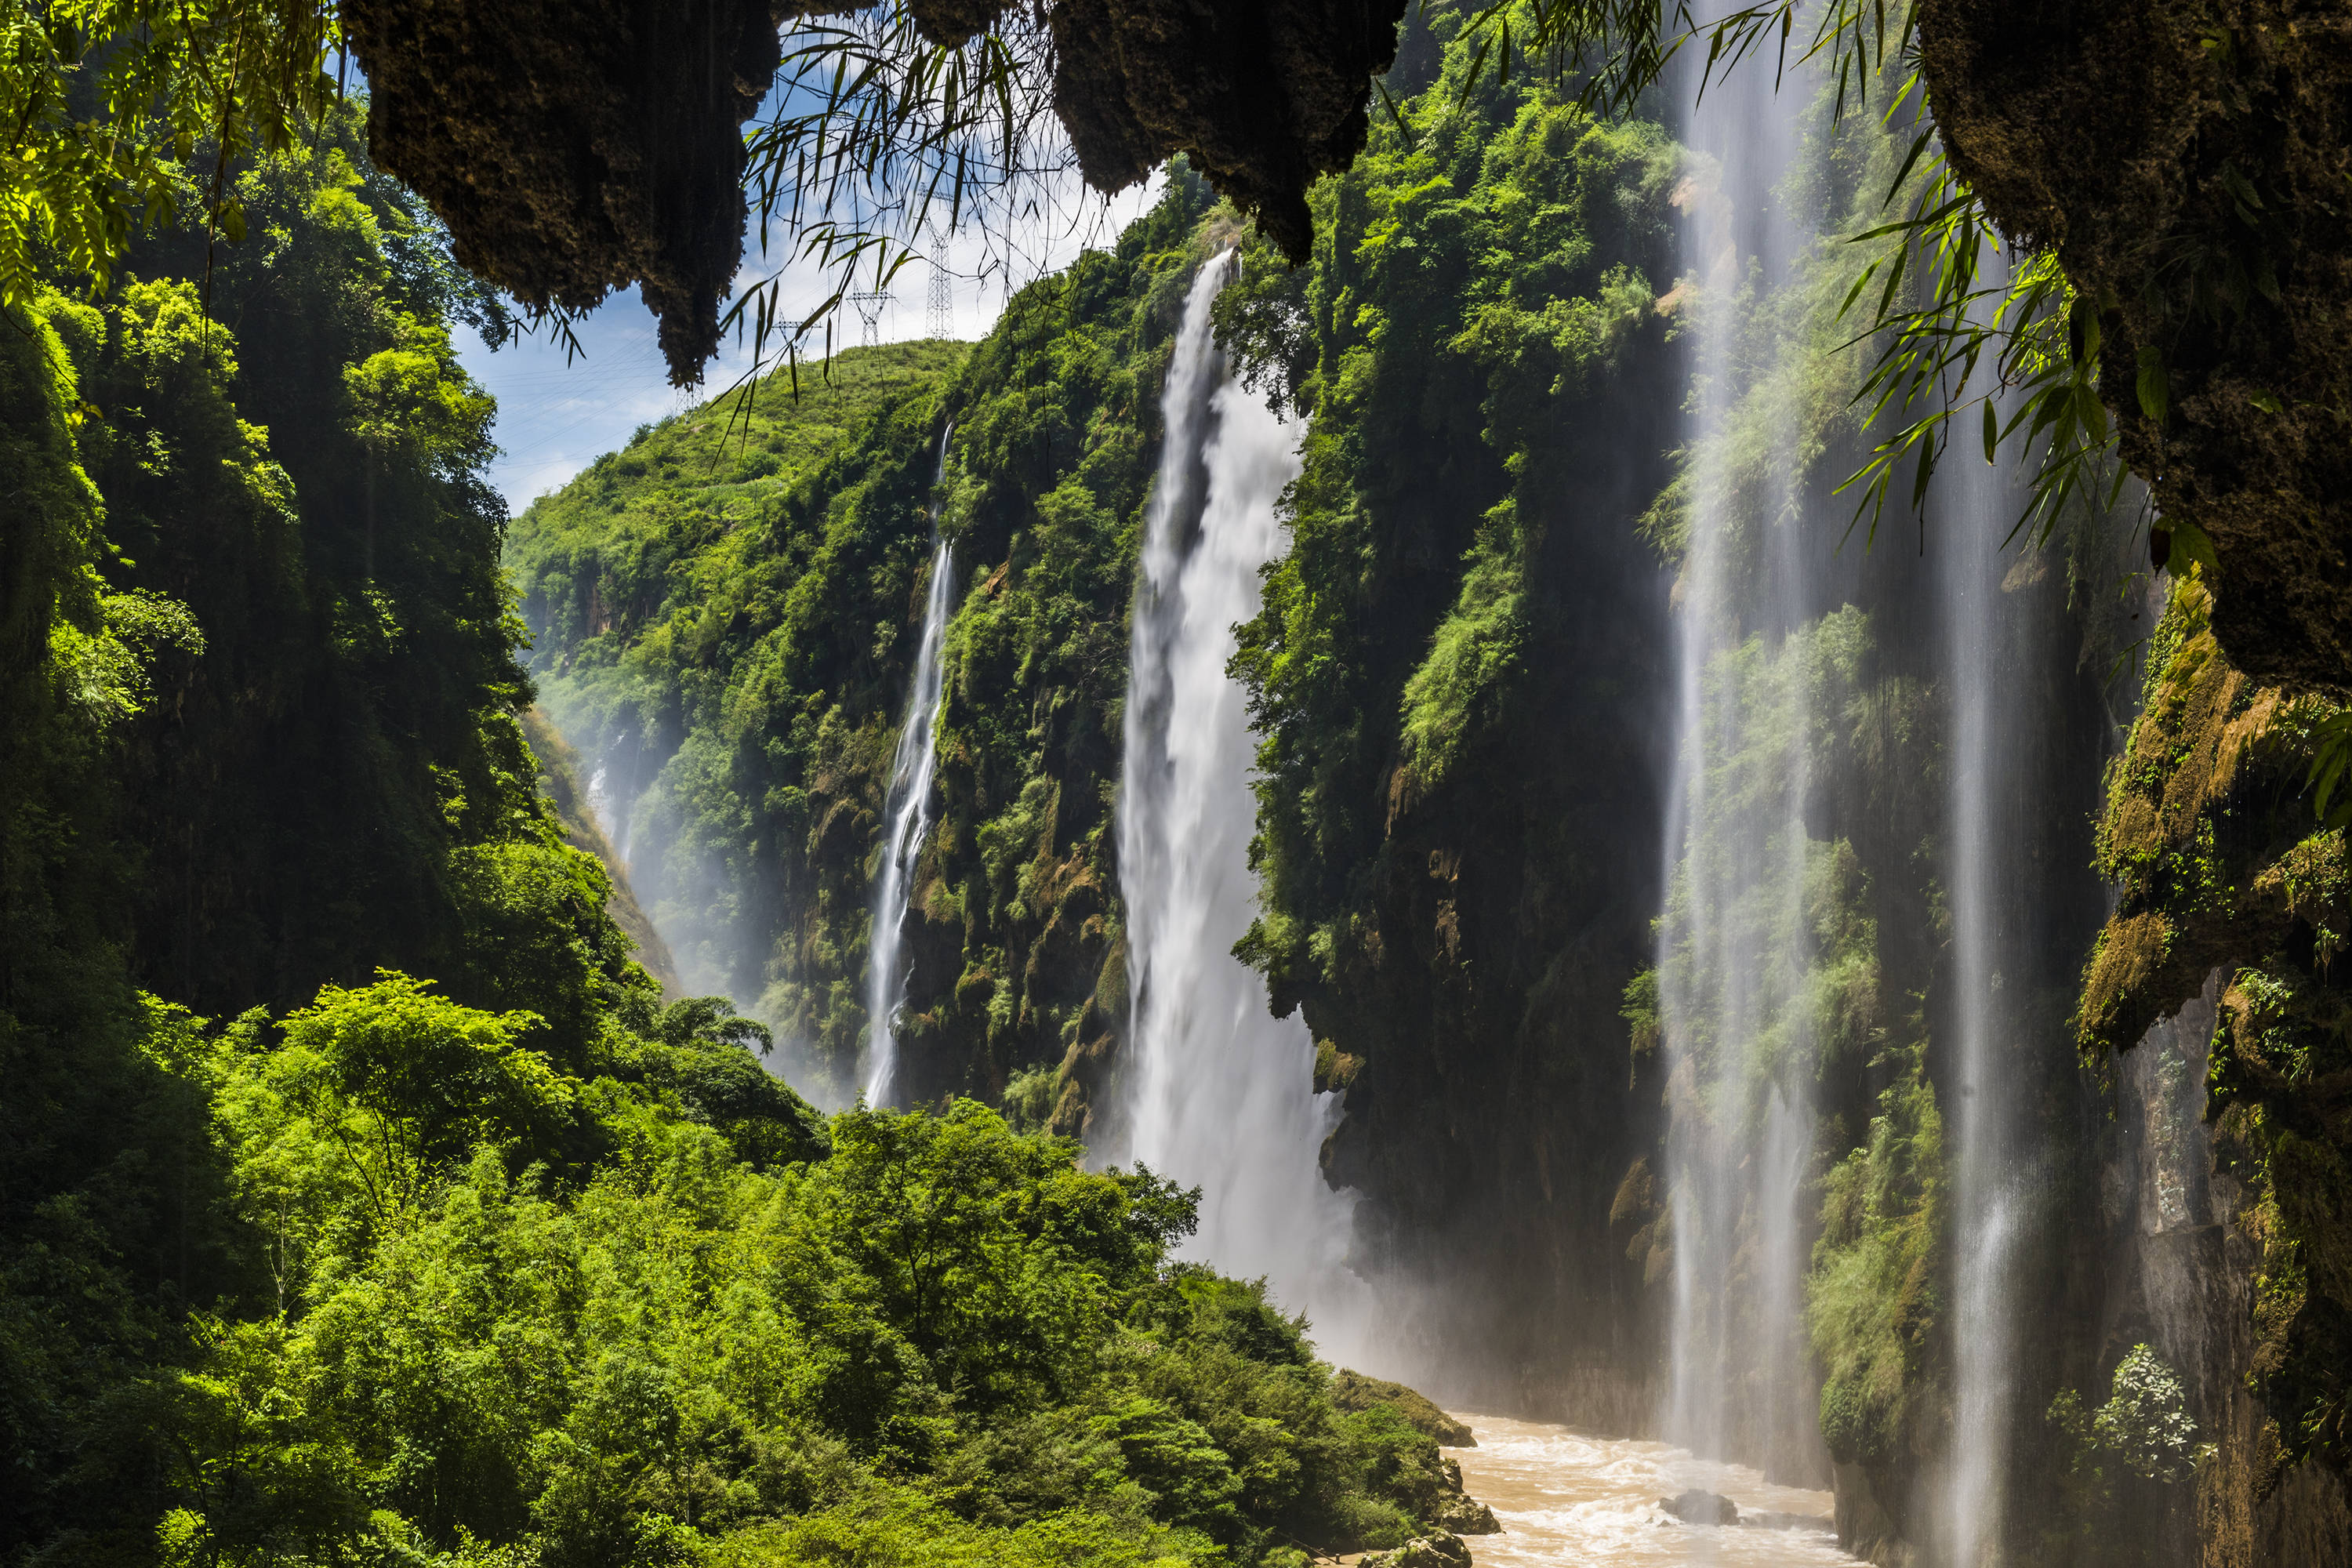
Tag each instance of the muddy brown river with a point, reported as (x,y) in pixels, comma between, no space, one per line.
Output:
(1564,1498)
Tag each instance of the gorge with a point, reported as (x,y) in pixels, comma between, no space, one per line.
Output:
(952,954)
(1551,648)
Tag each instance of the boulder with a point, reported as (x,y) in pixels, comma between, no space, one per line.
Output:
(1696,1507)
(1465,1515)
(1440,1549)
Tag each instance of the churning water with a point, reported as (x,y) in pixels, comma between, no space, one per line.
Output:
(1564,1498)
(1217,1091)
(906,821)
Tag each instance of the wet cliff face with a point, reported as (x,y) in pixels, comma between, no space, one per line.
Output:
(1454,674)
(2209,833)
(2195,1265)
(2189,163)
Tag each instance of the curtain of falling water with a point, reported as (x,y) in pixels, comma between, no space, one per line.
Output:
(906,822)
(1732,954)
(1988,646)
(1218,1094)
(1734,946)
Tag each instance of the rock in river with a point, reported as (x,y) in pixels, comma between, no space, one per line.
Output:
(1696,1507)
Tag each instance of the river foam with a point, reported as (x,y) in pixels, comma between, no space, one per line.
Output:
(1567,1498)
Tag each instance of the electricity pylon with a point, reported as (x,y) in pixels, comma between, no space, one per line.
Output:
(942,301)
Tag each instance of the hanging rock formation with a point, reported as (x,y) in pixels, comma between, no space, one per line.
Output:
(574,147)
(2189,161)
(1263,98)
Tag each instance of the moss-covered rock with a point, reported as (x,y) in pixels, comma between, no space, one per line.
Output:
(2210,834)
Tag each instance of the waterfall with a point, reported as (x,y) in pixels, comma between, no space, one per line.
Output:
(602,809)
(1217,1091)
(906,821)
(611,807)
(1733,938)
(1753,828)
(1986,643)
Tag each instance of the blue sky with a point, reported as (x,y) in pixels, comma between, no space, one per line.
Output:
(555,418)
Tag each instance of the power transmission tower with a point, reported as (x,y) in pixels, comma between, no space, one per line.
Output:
(942,301)
(870,304)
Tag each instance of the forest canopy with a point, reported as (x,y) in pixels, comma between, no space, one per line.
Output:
(361,1197)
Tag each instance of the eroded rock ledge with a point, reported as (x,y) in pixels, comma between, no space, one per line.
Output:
(574,147)
(2189,160)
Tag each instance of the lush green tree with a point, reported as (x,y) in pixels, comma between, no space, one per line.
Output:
(258,735)
(473,1347)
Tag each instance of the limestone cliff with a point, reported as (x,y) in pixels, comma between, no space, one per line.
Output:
(2188,162)
(2231,899)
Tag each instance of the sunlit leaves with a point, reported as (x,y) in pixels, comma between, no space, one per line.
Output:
(130,114)
(1618,48)
(880,137)
(2004,341)
(1961,329)
(415,402)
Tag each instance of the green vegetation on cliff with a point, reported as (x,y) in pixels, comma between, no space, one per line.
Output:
(702,601)
(1452,678)
(260,735)
(726,628)
(1477,344)
(2209,837)
(307,1258)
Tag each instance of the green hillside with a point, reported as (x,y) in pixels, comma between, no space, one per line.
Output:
(728,638)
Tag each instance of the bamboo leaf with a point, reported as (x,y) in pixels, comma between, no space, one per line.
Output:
(2155,387)
(1918,145)
(2191,543)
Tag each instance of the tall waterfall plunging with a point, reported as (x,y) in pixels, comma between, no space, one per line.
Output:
(1733,938)
(906,822)
(1986,641)
(1754,835)
(1218,1092)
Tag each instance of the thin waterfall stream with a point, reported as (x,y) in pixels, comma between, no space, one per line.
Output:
(1999,779)
(907,822)
(1218,1094)
(1732,939)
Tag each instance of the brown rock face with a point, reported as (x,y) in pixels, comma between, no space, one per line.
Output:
(955,22)
(576,146)
(1261,95)
(2188,160)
